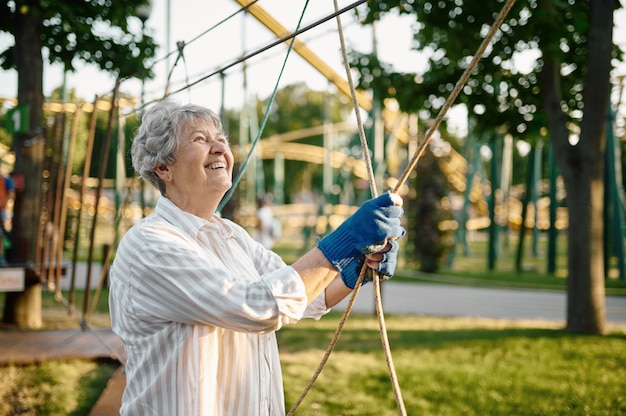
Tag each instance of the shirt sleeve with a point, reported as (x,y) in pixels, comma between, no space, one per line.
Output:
(317,308)
(268,261)
(172,282)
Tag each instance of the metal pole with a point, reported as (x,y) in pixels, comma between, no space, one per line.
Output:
(83,191)
(103,165)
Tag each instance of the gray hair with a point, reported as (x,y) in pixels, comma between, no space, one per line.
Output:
(156,141)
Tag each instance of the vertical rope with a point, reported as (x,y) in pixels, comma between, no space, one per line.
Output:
(372,183)
(415,158)
(357,287)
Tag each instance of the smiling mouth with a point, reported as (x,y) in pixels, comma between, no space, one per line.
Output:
(216,165)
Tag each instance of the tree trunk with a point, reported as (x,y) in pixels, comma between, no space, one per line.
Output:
(585,289)
(24,308)
(581,165)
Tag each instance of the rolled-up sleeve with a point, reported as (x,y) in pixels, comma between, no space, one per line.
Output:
(317,308)
(288,289)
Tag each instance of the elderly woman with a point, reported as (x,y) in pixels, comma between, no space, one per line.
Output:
(197,301)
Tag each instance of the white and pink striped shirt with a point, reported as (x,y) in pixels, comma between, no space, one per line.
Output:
(197,304)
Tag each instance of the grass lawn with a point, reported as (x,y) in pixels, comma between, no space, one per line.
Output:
(455,366)
(57,388)
(53,388)
(445,366)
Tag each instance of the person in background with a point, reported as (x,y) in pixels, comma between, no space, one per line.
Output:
(7,193)
(266,225)
(197,301)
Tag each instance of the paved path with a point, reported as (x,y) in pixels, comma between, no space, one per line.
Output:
(448,300)
(27,347)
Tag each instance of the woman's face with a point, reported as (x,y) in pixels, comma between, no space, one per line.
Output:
(203,167)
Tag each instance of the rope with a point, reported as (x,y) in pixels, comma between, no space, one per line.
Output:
(372,184)
(418,153)
(291,36)
(376,278)
(332,344)
(455,92)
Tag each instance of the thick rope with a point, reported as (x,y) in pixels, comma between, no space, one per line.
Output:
(332,344)
(415,158)
(455,92)
(379,311)
(374,192)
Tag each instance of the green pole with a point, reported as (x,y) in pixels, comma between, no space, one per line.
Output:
(608,208)
(613,203)
(525,202)
(535,184)
(470,155)
(552,231)
(493,226)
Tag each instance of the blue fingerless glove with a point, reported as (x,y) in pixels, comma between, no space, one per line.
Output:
(387,266)
(376,221)
(350,273)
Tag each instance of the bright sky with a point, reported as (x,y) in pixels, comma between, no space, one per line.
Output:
(191,18)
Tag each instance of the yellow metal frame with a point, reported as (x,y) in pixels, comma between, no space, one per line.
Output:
(364,101)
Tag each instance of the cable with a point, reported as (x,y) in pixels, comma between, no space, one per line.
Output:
(244,165)
(208,30)
(260,50)
(455,92)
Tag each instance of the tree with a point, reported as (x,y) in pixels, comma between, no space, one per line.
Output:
(295,108)
(563,96)
(425,215)
(96,32)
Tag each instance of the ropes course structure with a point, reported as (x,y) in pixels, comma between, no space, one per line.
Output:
(290,39)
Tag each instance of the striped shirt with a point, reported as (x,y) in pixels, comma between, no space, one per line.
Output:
(197,304)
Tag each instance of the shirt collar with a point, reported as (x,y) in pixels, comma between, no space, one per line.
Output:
(189,223)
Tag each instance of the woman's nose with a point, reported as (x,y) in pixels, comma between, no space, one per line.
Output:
(218,147)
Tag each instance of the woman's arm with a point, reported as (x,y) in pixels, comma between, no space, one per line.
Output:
(316,273)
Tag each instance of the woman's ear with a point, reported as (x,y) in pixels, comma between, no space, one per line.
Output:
(163,172)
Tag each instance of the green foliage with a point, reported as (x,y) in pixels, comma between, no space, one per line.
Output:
(97,32)
(296,107)
(497,93)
